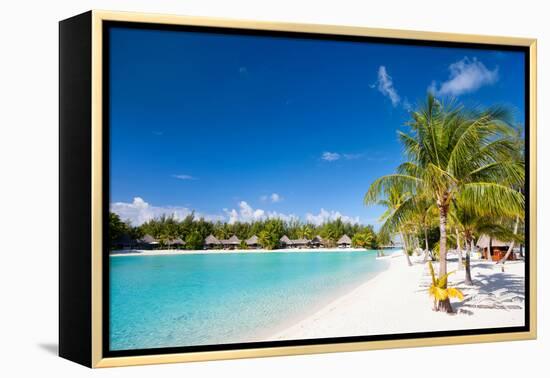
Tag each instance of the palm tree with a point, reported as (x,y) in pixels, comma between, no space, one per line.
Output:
(393,200)
(470,225)
(305,232)
(362,239)
(520,158)
(456,153)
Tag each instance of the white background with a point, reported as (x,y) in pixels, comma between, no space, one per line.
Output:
(29,189)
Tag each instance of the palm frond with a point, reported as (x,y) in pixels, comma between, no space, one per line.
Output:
(385,183)
(489,198)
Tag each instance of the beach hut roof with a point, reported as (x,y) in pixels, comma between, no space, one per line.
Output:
(344,240)
(233,240)
(148,239)
(300,241)
(253,240)
(284,239)
(177,241)
(317,239)
(211,239)
(483,242)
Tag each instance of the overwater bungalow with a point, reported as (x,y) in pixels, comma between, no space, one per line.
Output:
(285,242)
(300,243)
(211,242)
(498,248)
(253,243)
(344,242)
(176,243)
(317,242)
(148,242)
(231,243)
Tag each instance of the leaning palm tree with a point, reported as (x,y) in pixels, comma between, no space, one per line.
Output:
(393,200)
(457,153)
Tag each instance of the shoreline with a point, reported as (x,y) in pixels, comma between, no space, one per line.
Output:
(396,301)
(175,252)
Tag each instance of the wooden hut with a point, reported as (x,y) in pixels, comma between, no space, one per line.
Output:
(231,243)
(253,242)
(344,242)
(176,243)
(317,242)
(498,248)
(211,242)
(285,242)
(148,242)
(300,243)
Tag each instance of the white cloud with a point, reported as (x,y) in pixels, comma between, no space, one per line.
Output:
(385,86)
(466,75)
(273,197)
(184,177)
(246,213)
(139,211)
(325,216)
(333,156)
(330,156)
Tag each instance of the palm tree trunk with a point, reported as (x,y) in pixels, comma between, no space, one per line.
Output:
(406,250)
(443,306)
(468,272)
(426,249)
(490,250)
(459,251)
(503,260)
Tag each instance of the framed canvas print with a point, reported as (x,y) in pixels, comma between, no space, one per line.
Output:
(235,189)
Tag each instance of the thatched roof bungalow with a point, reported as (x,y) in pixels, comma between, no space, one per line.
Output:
(344,242)
(148,242)
(285,242)
(253,242)
(232,242)
(300,243)
(211,242)
(177,242)
(498,248)
(317,242)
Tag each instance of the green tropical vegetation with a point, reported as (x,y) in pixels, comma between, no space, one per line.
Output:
(194,230)
(463,175)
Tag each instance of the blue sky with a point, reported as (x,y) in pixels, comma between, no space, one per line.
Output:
(246,127)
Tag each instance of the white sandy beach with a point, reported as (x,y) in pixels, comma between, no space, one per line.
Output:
(396,301)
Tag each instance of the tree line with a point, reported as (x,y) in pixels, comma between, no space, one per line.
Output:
(193,231)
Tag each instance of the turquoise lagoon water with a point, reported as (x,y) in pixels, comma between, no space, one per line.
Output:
(205,299)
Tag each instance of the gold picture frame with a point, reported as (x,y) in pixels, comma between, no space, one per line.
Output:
(94,22)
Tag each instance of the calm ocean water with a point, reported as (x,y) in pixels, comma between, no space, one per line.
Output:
(181,300)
